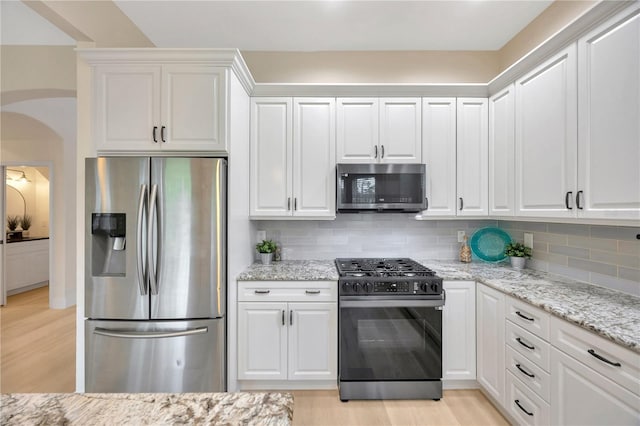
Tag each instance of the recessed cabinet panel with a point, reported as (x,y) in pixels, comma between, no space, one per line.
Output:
(546,130)
(126,106)
(501,152)
(271,146)
(490,341)
(609,112)
(472,156)
(439,155)
(459,331)
(358,132)
(313,350)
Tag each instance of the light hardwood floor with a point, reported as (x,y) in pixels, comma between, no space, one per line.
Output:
(37,349)
(37,345)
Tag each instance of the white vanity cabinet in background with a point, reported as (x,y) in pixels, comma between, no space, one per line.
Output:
(292,172)
(459,332)
(160,107)
(27,264)
(379,130)
(287,334)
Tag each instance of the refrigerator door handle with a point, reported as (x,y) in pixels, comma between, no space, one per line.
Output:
(150,334)
(142,281)
(151,262)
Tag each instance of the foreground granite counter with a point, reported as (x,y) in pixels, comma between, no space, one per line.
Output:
(291,270)
(271,409)
(609,313)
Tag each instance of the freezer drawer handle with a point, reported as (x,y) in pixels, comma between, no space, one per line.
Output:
(150,334)
(603,359)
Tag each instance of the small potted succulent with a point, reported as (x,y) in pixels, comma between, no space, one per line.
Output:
(25,223)
(12,222)
(518,254)
(266,248)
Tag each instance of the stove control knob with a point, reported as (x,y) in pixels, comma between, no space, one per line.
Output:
(434,288)
(357,287)
(368,287)
(424,288)
(346,287)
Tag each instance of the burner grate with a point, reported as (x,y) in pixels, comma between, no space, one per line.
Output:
(382,267)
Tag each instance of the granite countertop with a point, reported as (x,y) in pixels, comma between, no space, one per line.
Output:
(242,408)
(609,313)
(291,270)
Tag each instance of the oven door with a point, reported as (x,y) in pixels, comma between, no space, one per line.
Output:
(390,340)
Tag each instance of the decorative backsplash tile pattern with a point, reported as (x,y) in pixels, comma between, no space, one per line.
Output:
(608,256)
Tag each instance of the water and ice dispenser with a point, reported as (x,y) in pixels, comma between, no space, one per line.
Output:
(108,246)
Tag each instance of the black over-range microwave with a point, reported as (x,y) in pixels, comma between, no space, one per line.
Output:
(380,187)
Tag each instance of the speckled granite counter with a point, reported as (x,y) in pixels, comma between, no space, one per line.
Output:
(611,314)
(147,409)
(291,270)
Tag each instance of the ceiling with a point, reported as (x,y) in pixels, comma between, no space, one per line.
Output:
(301,25)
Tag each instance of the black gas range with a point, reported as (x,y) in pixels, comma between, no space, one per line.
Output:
(386,277)
(390,329)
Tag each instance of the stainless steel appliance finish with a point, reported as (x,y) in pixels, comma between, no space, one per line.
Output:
(171,356)
(390,330)
(155,261)
(380,187)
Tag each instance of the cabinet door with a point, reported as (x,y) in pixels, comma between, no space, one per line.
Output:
(400,130)
(358,132)
(609,111)
(490,341)
(193,108)
(546,130)
(262,341)
(580,396)
(313,340)
(271,157)
(472,157)
(459,331)
(126,107)
(314,164)
(501,152)
(439,155)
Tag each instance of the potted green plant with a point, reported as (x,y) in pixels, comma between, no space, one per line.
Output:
(25,223)
(518,254)
(266,248)
(12,222)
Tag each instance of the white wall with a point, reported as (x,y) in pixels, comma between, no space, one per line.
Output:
(36,198)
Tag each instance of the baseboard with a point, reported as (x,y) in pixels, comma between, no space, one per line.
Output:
(27,288)
(460,384)
(287,385)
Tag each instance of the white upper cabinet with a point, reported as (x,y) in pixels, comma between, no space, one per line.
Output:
(400,130)
(608,116)
(546,130)
(472,153)
(501,152)
(292,157)
(439,155)
(146,108)
(358,131)
(385,130)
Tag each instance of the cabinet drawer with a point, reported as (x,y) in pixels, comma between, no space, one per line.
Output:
(529,373)
(528,317)
(523,405)
(533,348)
(613,361)
(287,291)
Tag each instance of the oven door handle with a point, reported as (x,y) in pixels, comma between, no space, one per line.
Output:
(395,303)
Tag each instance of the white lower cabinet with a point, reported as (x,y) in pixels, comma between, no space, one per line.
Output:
(287,332)
(583,397)
(27,264)
(490,338)
(459,331)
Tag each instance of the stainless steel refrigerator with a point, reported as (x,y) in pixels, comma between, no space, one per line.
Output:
(155,274)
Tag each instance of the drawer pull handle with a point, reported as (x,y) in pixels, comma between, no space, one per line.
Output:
(262,291)
(283,317)
(291,317)
(525,372)
(524,316)
(524,344)
(517,401)
(603,359)
(312,291)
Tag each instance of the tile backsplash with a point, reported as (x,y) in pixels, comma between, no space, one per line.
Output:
(608,256)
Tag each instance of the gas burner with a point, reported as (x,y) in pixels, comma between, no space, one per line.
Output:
(382,267)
